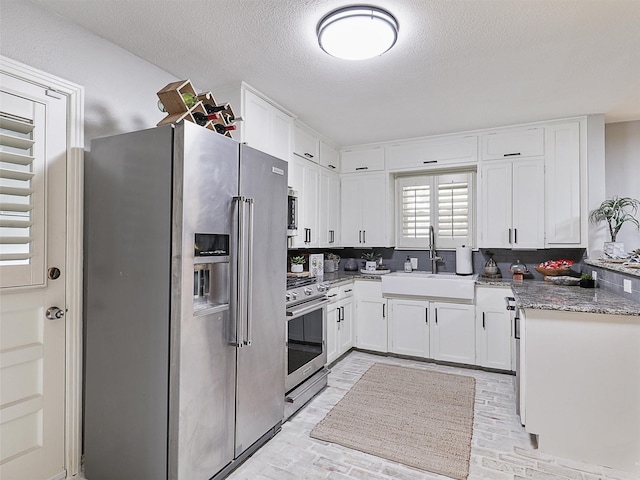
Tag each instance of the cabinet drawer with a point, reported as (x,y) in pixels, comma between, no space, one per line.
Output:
(305,145)
(366,160)
(333,294)
(516,144)
(492,297)
(346,291)
(458,151)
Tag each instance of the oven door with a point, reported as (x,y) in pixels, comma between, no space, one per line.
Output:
(306,341)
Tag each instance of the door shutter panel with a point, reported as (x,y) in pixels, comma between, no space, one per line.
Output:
(454,210)
(22,220)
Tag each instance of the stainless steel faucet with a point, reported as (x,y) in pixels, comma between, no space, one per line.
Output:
(432,250)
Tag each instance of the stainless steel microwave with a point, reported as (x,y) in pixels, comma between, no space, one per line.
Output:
(292,212)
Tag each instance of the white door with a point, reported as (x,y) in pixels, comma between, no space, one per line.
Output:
(351,211)
(528,203)
(345,336)
(496,205)
(371,327)
(453,334)
(409,327)
(374,205)
(33,126)
(333,314)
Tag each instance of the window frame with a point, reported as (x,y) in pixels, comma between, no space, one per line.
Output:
(433,179)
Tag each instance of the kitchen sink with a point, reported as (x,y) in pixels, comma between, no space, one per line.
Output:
(431,285)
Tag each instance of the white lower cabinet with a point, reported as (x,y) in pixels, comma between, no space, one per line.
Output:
(409,327)
(453,332)
(339,321)
(494,328)
(371,316)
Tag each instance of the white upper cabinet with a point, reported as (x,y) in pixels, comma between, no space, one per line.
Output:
(329,157)
(329,212)
(513,144)
(563,178)
(266,127)
(362,160)
(365,204)
(304,177)
(512,204)
(442,152)
(306,145)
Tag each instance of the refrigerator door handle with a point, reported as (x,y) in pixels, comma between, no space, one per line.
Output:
(239,299)
(249,293)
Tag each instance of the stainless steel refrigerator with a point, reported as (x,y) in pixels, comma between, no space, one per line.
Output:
(185,257)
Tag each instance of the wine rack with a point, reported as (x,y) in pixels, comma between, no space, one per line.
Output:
(181,102)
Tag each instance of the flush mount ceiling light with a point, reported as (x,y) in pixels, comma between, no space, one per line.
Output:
(357,32)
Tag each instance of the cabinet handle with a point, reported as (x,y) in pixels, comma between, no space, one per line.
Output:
(436,311)
(347,291)
(332,166)
(364,236)
(515,235)
(340,314)
(426,315)
(483,326)
(308,155)
(512,154)
(362,168)
(332,295)
(509,235)
(384,315)
(430,161)
(359,236)
(330,236)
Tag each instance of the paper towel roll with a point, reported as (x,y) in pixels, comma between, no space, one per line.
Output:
(464,265)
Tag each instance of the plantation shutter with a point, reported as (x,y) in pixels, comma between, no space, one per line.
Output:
(415,199)
(22,220)
(454,210)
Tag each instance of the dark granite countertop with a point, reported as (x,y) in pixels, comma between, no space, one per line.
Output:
(547,296)
(616,267)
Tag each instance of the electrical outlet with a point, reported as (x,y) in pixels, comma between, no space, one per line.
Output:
(627,285)
(594,275)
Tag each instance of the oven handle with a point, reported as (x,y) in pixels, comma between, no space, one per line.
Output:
(308,307)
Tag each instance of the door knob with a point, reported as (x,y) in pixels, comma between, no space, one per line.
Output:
(54,313)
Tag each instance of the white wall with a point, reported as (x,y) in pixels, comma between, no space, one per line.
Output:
(622,150)
(120,88)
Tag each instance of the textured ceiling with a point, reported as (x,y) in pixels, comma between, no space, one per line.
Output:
(457,65)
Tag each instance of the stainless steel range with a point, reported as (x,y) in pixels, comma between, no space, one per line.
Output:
(306,350)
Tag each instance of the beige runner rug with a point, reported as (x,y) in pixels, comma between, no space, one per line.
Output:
(419,418)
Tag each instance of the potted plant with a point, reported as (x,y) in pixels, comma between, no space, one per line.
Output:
(586,281)
(370,261)
(297,264)
(616,211)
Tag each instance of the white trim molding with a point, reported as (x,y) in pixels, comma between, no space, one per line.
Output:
(74,250)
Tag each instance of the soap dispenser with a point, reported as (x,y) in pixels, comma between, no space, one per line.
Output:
(407,265)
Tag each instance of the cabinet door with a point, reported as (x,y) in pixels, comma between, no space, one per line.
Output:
(374,210)
(296,181)
(345,330)
(515,144)
(496,205)
(308,194)
(329,157)
(333,315)
(362,160)
(257,125)
(351,211)
(281,134)
(409,327)
(562,185)
(528,204)
(371,326)
(306,144)
(494,337)
(329,214)
(434,153)
(452,333)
